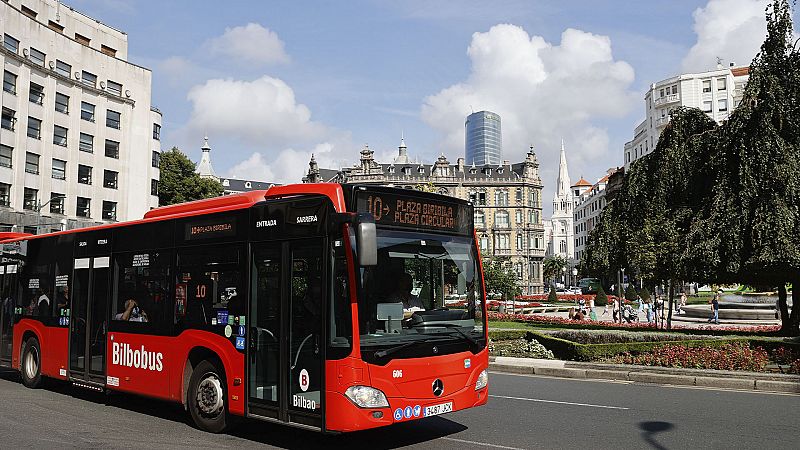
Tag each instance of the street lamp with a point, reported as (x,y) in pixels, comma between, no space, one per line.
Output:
(564,276)
(621,282)
(40,206)
(574,276)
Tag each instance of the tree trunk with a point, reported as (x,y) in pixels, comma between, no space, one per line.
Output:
(795,317)
(671,299)
(786,321)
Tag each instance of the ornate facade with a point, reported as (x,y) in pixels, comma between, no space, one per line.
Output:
(507,200)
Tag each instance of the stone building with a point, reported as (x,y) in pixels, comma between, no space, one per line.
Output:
(80,139)
(229,185)
(507,200)
(559,234)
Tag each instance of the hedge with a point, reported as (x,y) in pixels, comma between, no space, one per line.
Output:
(506,335)
(568,350)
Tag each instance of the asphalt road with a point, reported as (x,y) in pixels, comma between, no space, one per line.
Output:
(523,412)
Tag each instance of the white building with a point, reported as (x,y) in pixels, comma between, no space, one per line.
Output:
(229,185)
(590,200)
(559,232)
(79,143)
(717,93)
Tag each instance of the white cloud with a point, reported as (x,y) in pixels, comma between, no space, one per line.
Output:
(250,43)
(288,166)
(262,112)
(732,30)
(543,92)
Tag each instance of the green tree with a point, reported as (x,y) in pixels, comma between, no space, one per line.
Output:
(554,267)
(601,299)
(630,293)
(180,183)
(499,276)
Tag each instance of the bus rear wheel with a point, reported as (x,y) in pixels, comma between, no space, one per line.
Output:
(30,365)
(206,397)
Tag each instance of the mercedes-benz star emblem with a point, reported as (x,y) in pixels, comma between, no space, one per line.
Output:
(435,349)
(438,387)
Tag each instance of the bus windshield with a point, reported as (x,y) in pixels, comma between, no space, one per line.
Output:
(426,287)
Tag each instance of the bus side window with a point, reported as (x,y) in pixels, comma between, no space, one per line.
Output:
(339,313)
(140,291)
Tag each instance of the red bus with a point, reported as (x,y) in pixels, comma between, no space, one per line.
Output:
(333,307)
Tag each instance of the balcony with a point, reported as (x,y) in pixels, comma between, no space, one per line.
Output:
(662,121)
(667,99)
(502,251)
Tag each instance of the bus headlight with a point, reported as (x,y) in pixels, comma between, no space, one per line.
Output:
(483,380)
(367,397)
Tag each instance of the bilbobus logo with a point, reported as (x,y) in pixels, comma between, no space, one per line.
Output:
(124,355)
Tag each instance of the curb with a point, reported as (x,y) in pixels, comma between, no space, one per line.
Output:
(653,375)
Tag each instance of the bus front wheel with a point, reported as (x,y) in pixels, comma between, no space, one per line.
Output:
(30,366)
(207,396)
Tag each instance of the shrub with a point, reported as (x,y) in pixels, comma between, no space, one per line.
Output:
(619,336)
(645,294)
(521,347)
(630,293)
(552,297)
(733,356)
(601,299)
(506,335)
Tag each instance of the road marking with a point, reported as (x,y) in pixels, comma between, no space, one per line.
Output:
(463,441)
(559,403)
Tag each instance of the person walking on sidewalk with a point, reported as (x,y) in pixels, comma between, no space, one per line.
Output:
(714,309)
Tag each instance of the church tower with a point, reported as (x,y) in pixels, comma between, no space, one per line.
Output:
(204,168)
(562,233)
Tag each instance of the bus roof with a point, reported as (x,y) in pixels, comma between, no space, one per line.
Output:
(211,205)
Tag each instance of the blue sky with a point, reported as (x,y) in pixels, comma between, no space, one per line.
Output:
(272,81)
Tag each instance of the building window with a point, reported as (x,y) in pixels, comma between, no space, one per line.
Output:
(88,78)
(5,194)
(112,149)
(722,104)
(59,136)
(59,169)
(36,94)
(109,210)
(82,39)
(6,154)
(113,119)
(36,56)
(83,206)
(54,26)
(721,84)
(63,68)
(84,174)
(520,242)
(28,12)
(62,103)
(87,111)
(56,203)
(156,131)
(114,88)
(9,82)
(484,243)
(706,86)
(10,44)
(29,201)
(32,163)
(503,242)
(34,128)
(108,50)
(153,187)
(501,219)
(501,198)
(519,195)
(156,160)
(110,179)
(661,93)
(480,219)
(518,216)
(8,121)
(707,106)
(86,143)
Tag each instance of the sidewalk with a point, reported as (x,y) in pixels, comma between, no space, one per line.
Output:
(767,382)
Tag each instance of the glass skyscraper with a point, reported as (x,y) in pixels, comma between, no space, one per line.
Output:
(484,142)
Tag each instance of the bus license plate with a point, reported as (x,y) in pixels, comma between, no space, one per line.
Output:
(435,410)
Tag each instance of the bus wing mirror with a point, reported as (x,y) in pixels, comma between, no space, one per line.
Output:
(366,241)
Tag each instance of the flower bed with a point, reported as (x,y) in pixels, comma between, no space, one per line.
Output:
(539,319)
(733,356)
(619,336)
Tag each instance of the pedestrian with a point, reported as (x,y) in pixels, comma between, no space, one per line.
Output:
(682,303)
(605,310)
(616,310)
(714,309)
(649,311)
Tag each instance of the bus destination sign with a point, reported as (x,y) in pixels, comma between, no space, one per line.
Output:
(389,208)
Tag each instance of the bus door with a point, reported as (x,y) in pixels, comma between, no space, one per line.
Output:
(6,313)
(286,356)
(89,312)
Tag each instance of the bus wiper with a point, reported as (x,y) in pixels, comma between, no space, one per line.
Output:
(389,351)
(456,328)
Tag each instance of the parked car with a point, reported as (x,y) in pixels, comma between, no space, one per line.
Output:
(589,285)
(576,290)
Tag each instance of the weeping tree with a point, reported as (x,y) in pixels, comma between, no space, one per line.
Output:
(749,227)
